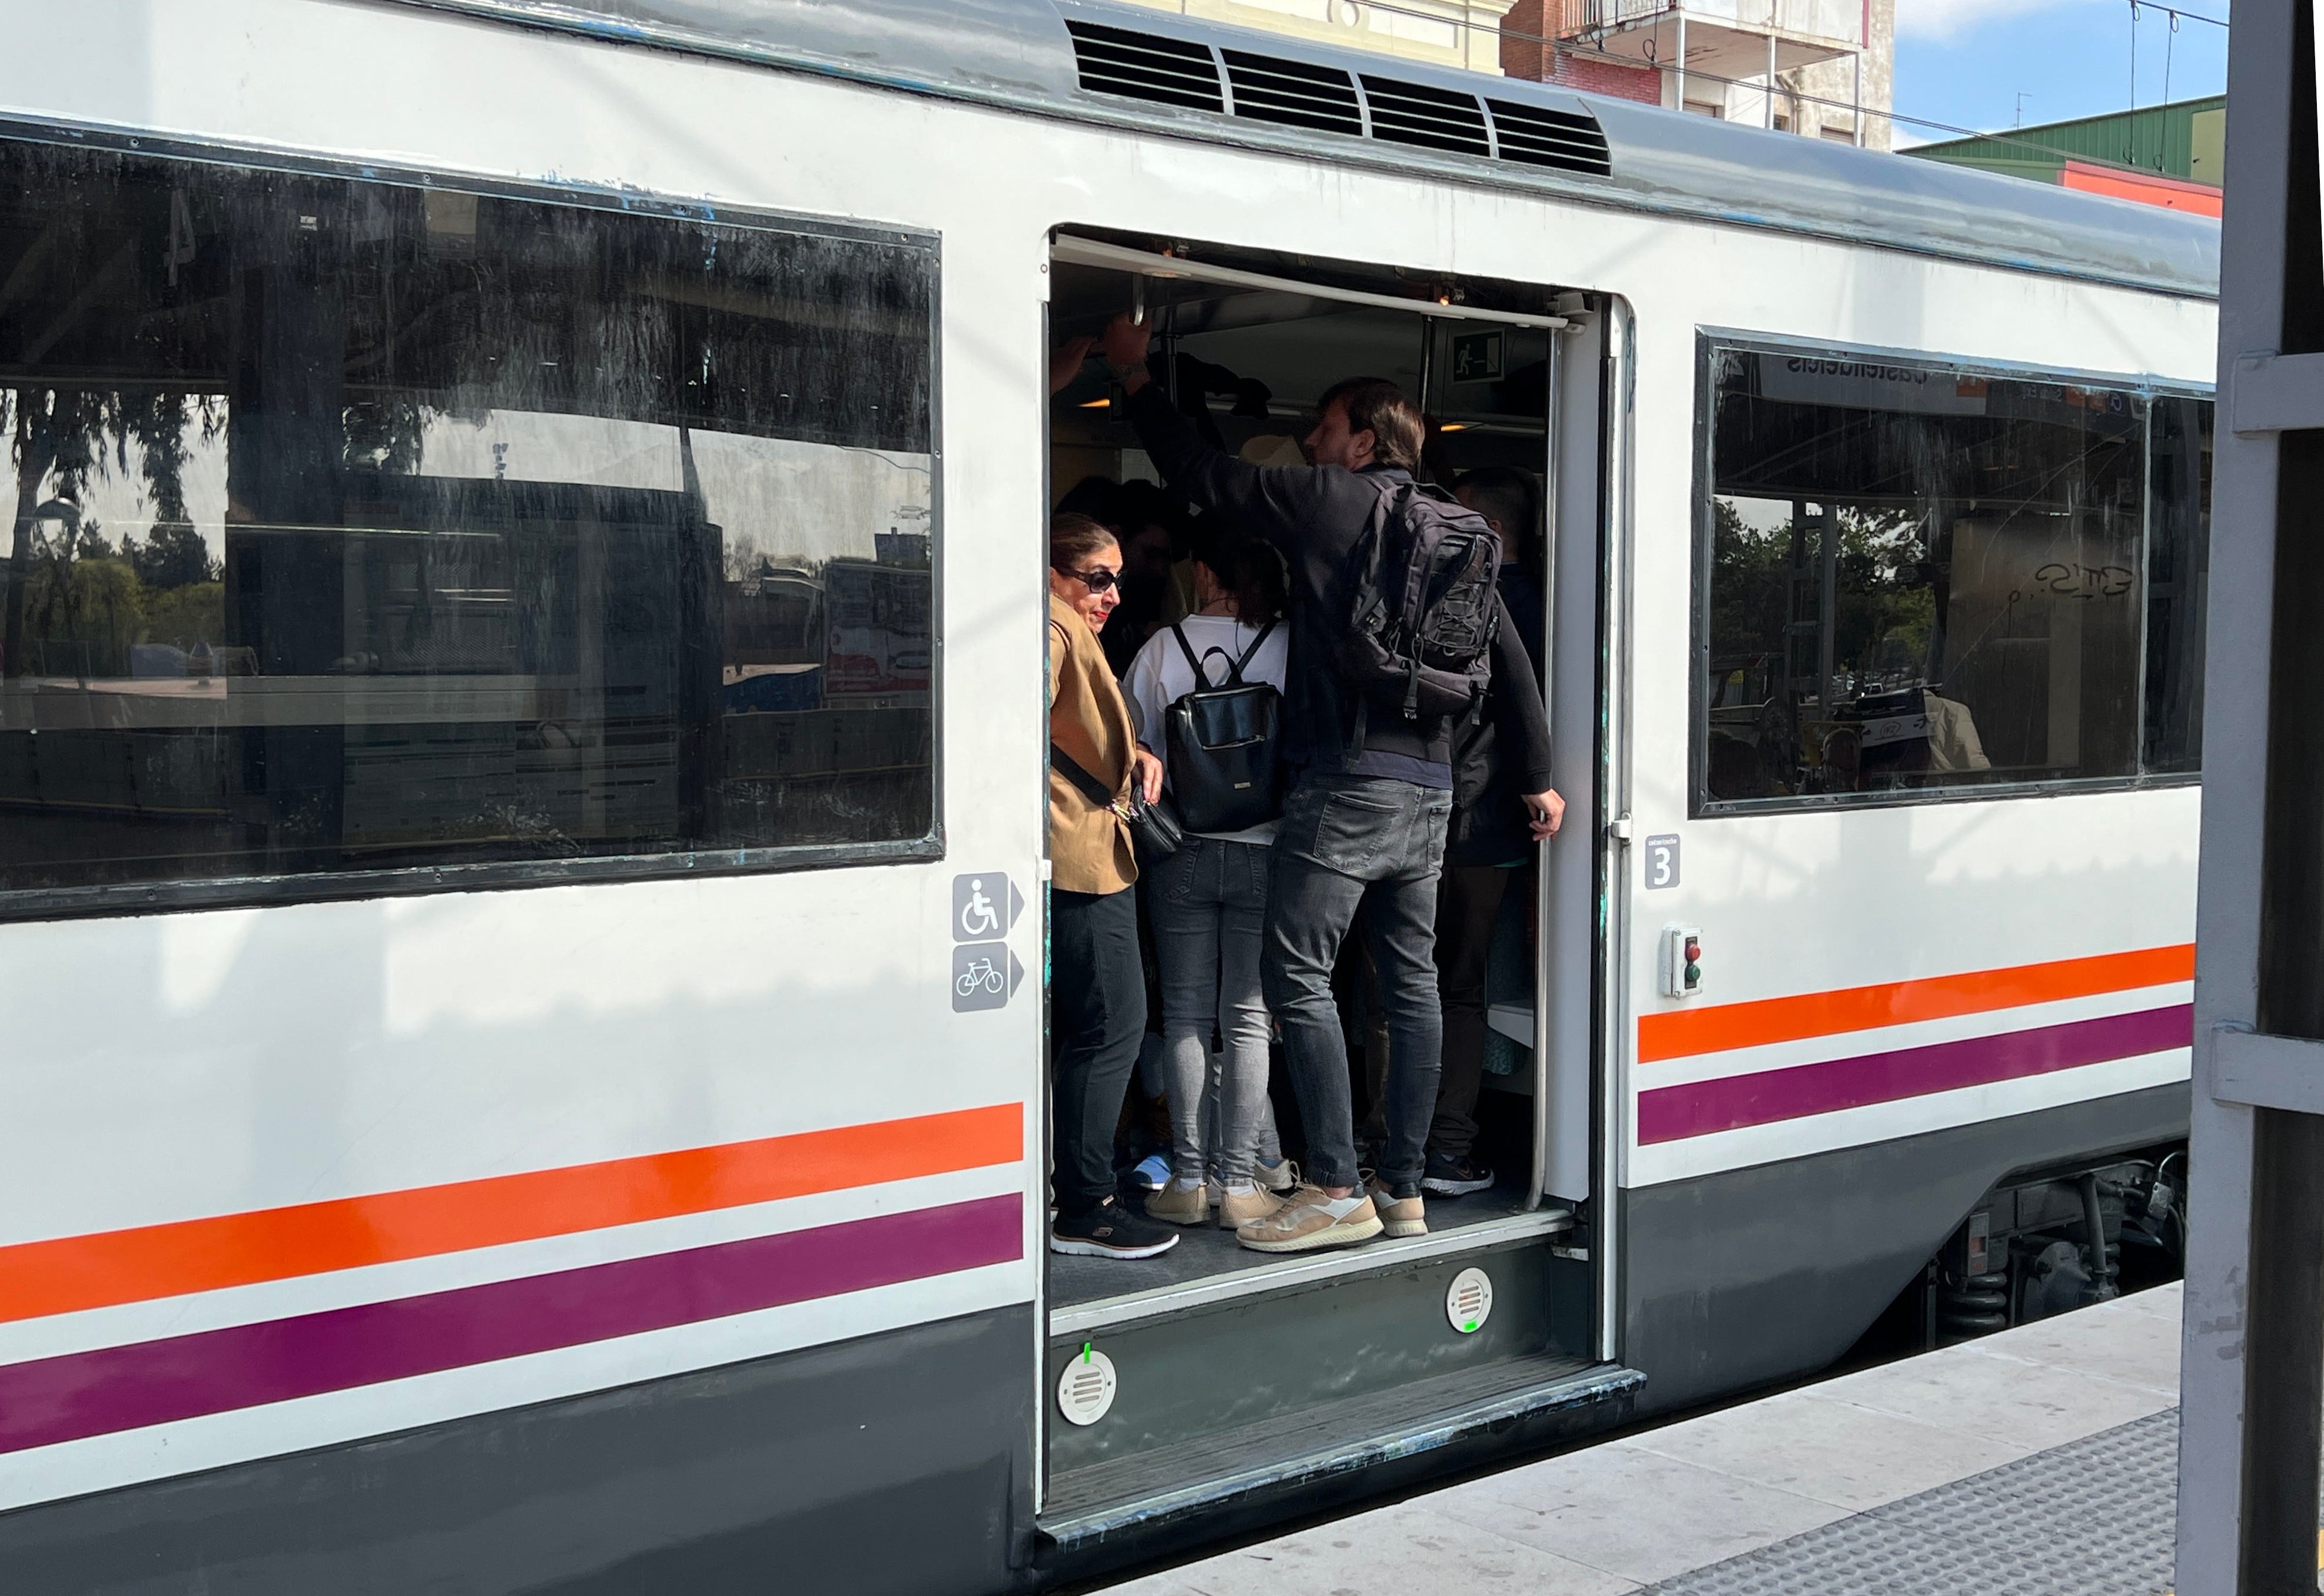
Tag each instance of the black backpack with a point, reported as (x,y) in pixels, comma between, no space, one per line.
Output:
(1221,744)
(1422,606)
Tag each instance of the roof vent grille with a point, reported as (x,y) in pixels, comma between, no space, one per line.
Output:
(1293,94)
(1147,67)
(1432,118)
(1535,135)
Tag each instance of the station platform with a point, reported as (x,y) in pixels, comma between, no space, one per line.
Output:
(2042,1459)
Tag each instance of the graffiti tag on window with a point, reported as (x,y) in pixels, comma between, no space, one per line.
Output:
(2062,581)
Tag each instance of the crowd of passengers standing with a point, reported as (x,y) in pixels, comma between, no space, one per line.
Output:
(1249,924)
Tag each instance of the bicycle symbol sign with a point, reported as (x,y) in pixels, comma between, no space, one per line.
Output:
(984,976)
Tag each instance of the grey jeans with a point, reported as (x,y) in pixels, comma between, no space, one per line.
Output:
(1208,904)
(1349,843)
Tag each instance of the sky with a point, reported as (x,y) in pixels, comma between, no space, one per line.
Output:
(1966,62)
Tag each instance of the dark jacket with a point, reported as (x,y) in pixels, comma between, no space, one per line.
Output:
(1315,515)
(1491,828)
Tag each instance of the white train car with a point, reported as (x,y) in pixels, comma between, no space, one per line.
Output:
(517,1077)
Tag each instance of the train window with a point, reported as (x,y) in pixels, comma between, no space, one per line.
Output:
(1920,576)
(2178,550)
(366,528)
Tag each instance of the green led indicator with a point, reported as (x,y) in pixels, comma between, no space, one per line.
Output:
(1086,1358)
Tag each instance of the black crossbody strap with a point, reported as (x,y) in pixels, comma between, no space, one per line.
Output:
(1091,788)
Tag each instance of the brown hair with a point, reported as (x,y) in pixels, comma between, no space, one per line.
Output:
(1378,406)
(1073,538)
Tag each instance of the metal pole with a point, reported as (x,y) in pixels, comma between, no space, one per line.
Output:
(1544,905)
(1681,90)
(1771,67)
(2253,1325)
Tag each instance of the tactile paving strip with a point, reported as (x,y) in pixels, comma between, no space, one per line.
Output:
(2093,1517)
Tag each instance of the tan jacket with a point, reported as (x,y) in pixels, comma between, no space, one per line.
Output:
(1089,846)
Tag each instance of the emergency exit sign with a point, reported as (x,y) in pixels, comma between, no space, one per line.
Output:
(1476,357)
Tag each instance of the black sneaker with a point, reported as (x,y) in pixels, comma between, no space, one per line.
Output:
(1110,1231)
(1456,1176)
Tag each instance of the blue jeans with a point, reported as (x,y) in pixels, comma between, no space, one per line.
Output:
(1208,903)
(1349,843)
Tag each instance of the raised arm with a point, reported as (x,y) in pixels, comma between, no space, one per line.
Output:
(1278,503)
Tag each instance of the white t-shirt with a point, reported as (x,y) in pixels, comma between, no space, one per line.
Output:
(1159,676)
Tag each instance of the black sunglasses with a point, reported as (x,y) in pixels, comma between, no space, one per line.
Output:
(1098,580)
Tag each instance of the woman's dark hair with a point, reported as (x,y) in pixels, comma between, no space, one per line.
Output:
(1512,495)
(1073,538)
(1249,570)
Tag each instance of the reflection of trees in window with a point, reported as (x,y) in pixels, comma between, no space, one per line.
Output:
(1920,576)
(76,603)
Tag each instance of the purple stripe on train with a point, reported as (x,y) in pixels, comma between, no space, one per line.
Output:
(127,1388)
(1672,1113)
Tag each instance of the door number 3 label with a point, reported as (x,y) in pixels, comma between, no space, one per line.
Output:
(1662,862)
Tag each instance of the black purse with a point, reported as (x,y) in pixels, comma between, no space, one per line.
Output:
(1154,831)
(1225,772)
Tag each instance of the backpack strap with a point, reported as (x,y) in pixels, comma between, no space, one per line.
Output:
(1187,649)
(1201,667)
(1250,653)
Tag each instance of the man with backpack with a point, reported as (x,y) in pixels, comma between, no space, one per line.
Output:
(1396,630)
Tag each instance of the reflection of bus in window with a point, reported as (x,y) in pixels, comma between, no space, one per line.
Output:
(878,619)
(775,639)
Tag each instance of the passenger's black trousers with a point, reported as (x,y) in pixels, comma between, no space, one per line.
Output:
(1097,1015)
(1468,909)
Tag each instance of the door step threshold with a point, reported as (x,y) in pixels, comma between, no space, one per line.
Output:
(1214,1486)
(1086,1318)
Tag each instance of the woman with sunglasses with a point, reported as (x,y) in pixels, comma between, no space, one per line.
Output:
(1097,993)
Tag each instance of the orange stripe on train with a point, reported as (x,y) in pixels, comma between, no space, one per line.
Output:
(1682,1033)
(72,1273)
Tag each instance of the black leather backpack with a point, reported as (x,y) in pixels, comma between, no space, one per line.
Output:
(1221,742)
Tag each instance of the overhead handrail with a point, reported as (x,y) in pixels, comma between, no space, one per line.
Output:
(1089,252)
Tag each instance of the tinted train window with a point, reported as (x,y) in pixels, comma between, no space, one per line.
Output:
(1922,576)
(362,527)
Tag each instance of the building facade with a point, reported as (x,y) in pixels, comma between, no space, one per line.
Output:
(1820,68)
(2170,155)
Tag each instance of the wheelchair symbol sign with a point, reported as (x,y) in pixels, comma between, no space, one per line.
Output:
(984,906)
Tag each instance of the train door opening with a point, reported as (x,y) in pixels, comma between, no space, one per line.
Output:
(1188,1349)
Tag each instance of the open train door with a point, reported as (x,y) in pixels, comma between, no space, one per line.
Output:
(1214,1380)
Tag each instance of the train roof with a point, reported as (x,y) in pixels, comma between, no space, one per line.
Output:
(1127,66)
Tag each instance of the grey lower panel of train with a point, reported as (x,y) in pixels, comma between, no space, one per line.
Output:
(1749,1276)
(895,1463)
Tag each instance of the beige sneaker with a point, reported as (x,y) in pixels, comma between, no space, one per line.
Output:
(1180,1205)
(1405,1216)
(1281,1179)
(1305,1224)
(1239,1208)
